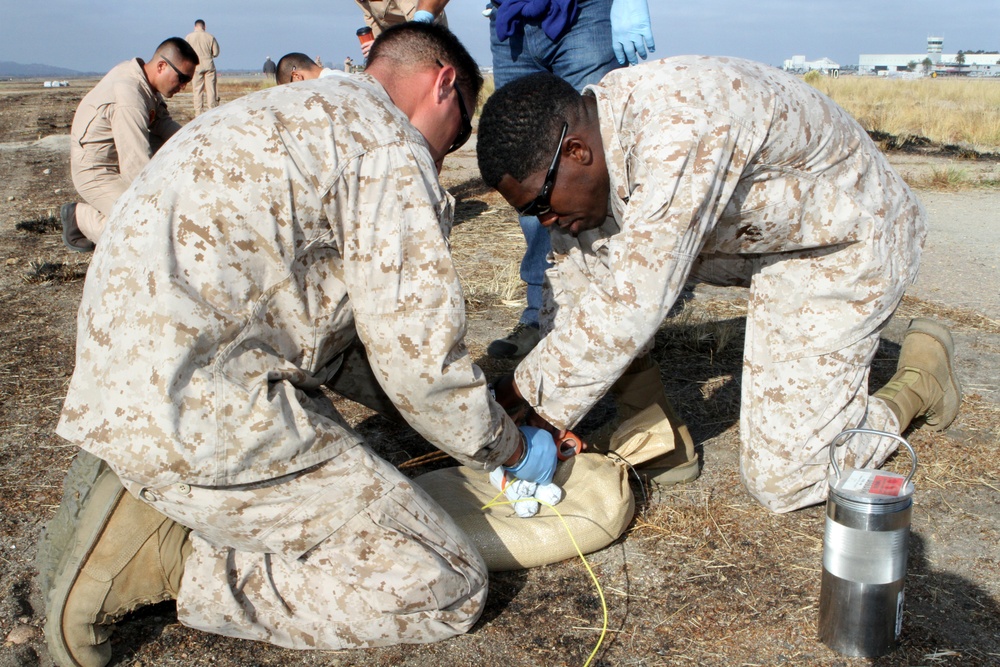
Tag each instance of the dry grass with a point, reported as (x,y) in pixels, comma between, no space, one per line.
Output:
(41,271)
(948,178)
(231,87)
(947,111)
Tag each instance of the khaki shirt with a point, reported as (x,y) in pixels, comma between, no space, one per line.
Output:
(257,247)
(207,48)
(713,159)
(380,14)
(120,123)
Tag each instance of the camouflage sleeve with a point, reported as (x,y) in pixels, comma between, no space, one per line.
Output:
(409,308)
(682,173)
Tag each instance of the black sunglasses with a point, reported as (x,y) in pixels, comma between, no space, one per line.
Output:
(540,204)
(181,76)
(466,130)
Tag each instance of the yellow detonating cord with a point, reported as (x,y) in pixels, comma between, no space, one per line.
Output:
(597,584)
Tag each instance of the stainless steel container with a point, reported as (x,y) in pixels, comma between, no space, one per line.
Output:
(865,546)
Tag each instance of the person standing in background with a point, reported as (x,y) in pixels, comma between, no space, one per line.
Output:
(380,14)
(204,88)
(270,68)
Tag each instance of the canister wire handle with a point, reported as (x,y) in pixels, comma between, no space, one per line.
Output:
(870,431)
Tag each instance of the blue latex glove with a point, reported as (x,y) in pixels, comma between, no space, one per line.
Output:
(631,32)
(539,461)
(423,16)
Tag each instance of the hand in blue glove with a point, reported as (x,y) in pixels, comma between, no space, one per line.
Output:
(539,461)
(423,16)
(631,32)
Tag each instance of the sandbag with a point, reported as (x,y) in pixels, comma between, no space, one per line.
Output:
(598,506)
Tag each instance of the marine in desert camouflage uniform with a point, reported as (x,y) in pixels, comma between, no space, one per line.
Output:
(297,241)
(731,172)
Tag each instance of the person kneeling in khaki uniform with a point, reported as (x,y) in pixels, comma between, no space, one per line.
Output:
(117,128)
(736,173)
(299,240)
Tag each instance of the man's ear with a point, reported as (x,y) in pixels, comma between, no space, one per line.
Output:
(576,148)
(444,83)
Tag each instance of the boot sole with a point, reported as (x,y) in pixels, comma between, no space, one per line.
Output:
(82,244)
(953,392)
(666,477)
(90,495)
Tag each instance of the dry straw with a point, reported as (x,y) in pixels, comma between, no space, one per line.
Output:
(964,112)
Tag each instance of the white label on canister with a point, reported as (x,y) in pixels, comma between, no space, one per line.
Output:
(858,480)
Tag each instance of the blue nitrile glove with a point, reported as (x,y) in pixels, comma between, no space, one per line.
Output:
(423,16)
(631,32)
(539,461)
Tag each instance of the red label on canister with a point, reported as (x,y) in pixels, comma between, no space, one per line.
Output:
(884,485)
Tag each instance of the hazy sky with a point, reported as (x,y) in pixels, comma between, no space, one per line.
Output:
(94,36)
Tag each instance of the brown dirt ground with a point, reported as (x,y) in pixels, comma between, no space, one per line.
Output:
(703,575)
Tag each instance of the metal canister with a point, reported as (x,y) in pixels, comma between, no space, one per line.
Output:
(865,545)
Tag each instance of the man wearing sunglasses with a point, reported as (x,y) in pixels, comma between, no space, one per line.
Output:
(730,172)
(299,240)
(117,128)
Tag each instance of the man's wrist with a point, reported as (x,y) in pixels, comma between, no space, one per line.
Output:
(520,453)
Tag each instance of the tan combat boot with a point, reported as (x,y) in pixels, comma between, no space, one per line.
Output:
(103,555)
(925,384)
(639,388)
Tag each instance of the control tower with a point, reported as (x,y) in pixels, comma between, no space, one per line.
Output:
(934,45)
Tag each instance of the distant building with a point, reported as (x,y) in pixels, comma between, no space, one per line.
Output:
(933,62)
(800,65)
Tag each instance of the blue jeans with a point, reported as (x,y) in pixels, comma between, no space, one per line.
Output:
(583,55)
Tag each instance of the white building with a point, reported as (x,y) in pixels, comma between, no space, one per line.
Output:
(800,64)
(975,64)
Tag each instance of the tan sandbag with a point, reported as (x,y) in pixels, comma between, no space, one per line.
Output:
(598,505)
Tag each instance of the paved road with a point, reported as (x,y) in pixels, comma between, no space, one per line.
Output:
(961,262)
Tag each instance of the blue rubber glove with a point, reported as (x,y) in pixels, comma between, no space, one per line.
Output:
(423,16)
(539,461)
(631,32)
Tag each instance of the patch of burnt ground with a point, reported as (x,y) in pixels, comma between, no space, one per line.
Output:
(918,145)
